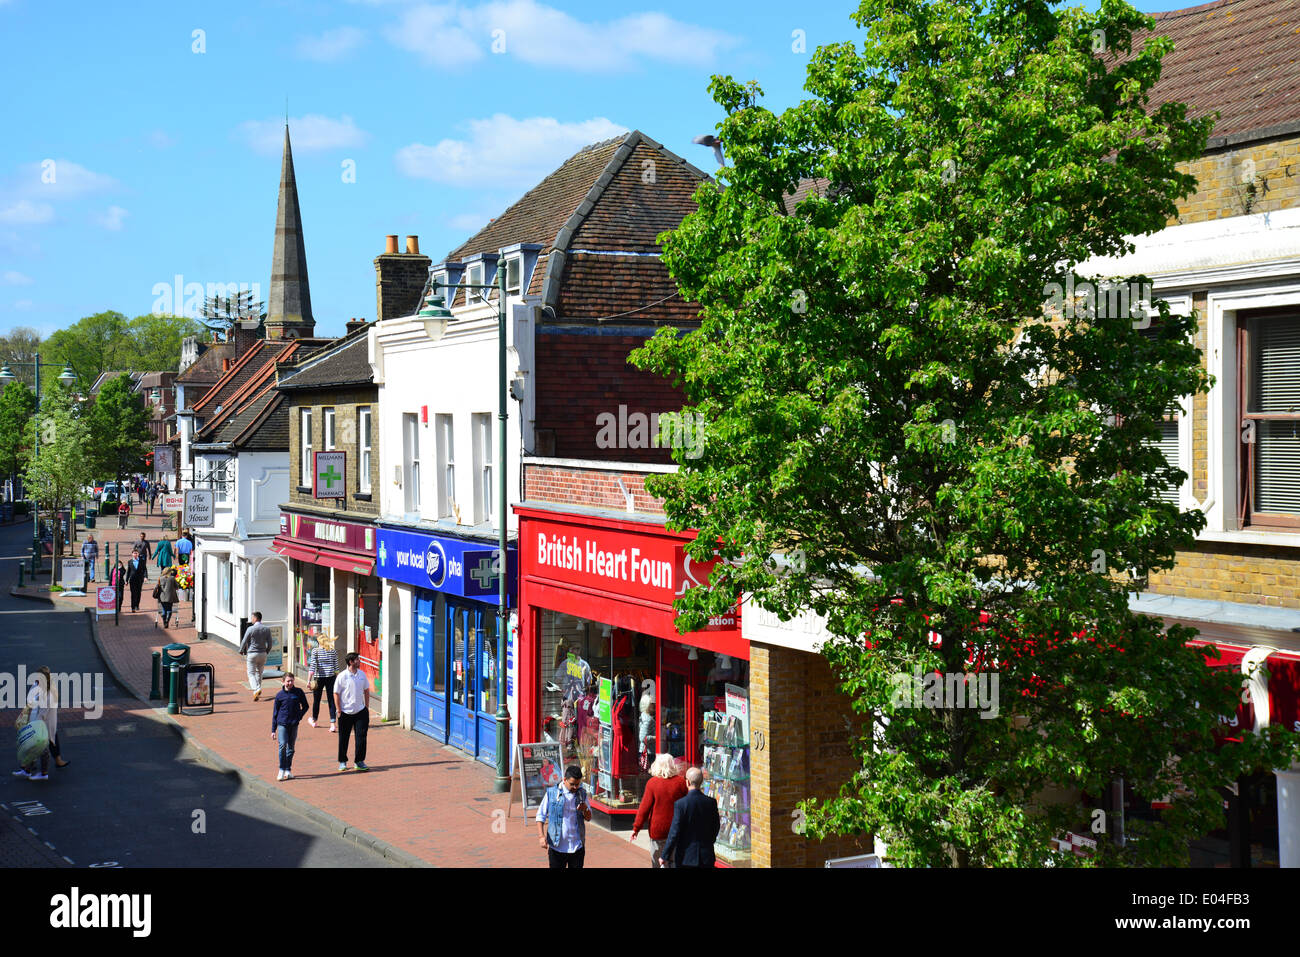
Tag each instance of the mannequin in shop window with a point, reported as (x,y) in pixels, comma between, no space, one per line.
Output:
(646,729)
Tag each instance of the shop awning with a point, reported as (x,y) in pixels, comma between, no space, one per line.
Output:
(344,562)
(300,552)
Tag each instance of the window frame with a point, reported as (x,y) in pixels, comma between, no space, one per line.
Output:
(365,448)
(329,429)
(305,447)
(1245,514)
(445,438)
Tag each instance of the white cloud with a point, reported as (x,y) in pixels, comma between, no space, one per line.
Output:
(112,218)
(12,277)
(502,151)
(26,213)
(160,140)
(453,34)
(59,179)
(308,133)
(331,45)
(23,305)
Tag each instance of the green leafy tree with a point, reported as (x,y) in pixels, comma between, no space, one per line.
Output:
(56,476)
(154,342)
(17,405)
(94,344)
(18,349)
(959,482)
(119,430)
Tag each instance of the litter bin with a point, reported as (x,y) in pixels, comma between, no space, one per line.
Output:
(175,653)
(90,519)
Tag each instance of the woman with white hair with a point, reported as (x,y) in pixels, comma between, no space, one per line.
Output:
(665,787)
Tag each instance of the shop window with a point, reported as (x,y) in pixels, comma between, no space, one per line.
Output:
(312,610)
(225,587)
(597,697)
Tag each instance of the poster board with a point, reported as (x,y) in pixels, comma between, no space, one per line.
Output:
(198,686)
(540,764)
(72,574)
(105,600)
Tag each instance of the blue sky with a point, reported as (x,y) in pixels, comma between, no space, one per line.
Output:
(163,144)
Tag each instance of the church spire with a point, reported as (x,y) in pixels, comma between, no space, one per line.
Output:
(288,314)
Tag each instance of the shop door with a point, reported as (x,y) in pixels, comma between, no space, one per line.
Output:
(678,706)
(462,639)
(367,631)
(429,668)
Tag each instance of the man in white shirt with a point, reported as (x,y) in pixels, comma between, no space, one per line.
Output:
(352,695)
(562,820)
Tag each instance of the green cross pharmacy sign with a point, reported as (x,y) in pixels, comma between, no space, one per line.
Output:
(331,469)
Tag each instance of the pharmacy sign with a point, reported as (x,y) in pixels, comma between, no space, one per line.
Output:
(331,467)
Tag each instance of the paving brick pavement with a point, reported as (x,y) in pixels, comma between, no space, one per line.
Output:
(420,797)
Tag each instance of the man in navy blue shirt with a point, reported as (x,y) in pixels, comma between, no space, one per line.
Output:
(695,826)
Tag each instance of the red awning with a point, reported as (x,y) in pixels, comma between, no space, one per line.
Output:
(1283,686)
(300,552)
(345,561)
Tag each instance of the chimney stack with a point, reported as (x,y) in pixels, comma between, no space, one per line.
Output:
(353,325)
(400,279)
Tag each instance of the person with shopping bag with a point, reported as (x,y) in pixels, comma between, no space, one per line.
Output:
(39,723)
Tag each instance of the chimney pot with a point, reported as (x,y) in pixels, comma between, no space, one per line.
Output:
(413,244)
(392,244)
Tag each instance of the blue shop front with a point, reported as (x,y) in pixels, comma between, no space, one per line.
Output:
(453,660)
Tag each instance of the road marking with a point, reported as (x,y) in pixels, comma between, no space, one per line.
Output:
(68,859)
(106,864)
(49,845)
(33,830)
(31,808)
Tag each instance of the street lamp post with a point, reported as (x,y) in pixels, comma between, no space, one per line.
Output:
(436,315)
(66,376)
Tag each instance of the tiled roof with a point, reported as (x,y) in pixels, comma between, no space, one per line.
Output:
(634,289)
(248,381)
(207,367)
(347,363)
(254,426)
(1240,57)
(540,212)
(611,201)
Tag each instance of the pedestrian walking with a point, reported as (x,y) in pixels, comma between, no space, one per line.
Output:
(322,667)
(141,547)
(163,553)
(562,820)
(167,592)
(286,712)
(352,695)
(664,789)
(117,578)
(137,571)
(123,512)
(139,490)
(90,556)
(695,827)
(42,705)
(184,545)
(256,644)
(153,497)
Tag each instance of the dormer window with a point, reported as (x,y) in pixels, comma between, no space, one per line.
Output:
(514,275)
(474,277)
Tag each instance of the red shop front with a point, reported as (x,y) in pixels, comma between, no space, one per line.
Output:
(604,671)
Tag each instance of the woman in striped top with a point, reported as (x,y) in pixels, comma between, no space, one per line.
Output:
(323,666)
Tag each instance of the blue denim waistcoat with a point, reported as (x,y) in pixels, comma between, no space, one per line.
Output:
(555,815)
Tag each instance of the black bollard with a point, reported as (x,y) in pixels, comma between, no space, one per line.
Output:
(154,693)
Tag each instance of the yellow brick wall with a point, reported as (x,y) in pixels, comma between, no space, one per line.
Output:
(1222,176)
(799,739)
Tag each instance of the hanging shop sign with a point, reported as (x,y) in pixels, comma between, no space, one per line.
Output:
(329,480)
(449,565)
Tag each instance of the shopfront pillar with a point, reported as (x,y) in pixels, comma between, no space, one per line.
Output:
(1288,818)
